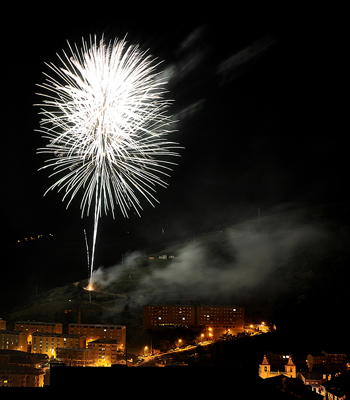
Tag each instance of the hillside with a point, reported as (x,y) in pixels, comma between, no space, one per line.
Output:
(284,270)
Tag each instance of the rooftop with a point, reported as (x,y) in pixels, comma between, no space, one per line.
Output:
(22,357)
(315,375)
(62,335)
(96,325)
(9,332)
(105,341)
(339,385)
(38,323)
(20,370)
(76,349)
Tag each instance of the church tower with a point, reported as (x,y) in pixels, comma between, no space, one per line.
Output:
(264,368)
(290,369)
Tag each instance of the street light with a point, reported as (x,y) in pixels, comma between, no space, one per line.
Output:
(210,332)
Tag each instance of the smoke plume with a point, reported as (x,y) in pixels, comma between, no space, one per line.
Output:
(221,266)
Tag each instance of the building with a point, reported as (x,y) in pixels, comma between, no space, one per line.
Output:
(106,351)
(47,343)
(311,378)
(2,324)
(169,315)
(283,387)
(328,363)
(21,369)
(323,367)
(29,327)
(286,367)
(337,388)
(13,340)
(336,362)
(17,376)
(24,359)
(220,318)
(94,332)
(76,357)
(314,379)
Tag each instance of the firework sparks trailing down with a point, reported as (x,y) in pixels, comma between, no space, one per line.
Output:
(90,285)
(104,116)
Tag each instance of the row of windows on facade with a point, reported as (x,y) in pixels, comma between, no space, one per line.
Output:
(159,318)
(167,312)
(47,324)
(77,326)
(235,310)
(15,339)
(216,318)
(189,314)
(52,343)
(58,338)
(9,342)
(190,310)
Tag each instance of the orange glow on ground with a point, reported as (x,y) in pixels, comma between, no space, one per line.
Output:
(90,287)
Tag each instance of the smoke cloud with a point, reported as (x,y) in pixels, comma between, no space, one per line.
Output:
(220,266)
(105,277)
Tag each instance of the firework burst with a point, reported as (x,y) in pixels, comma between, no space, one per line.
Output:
(104,116)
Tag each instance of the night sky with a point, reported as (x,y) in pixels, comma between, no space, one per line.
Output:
(259,111)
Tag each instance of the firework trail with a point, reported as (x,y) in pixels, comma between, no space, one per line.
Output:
(87,250)
(104,116)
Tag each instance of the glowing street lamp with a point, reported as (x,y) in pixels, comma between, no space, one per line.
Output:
(210,332)
(179,342)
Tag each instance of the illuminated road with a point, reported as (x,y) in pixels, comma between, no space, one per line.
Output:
(152,360)
(156,360)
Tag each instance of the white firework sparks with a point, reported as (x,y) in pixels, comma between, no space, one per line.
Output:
(105,118)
